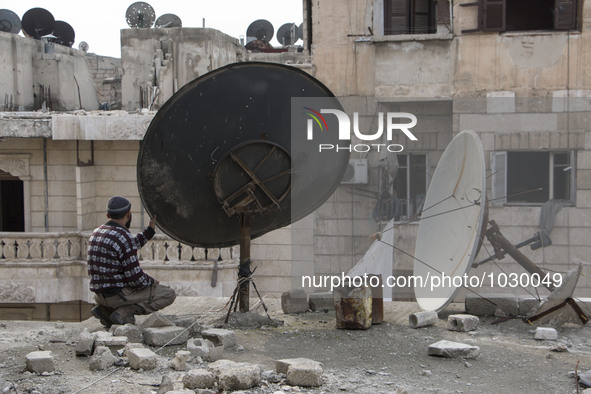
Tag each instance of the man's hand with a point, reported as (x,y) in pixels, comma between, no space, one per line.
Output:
(153,223)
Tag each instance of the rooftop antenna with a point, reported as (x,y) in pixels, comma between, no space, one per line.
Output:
(260,29)
(37,22)
(168,20)
(64,34)
(287,34)
(9,22)
(453,225)
(140,15)
(230,159)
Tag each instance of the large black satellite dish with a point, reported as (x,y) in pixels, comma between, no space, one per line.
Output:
(287,34)
(168,21)
(37,22)
(215,136)
(9,22)
(140,14)
(64,33)
(261,29)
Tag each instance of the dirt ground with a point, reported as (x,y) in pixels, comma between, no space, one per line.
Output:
(388,358)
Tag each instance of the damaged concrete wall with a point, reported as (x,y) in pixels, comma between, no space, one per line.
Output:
(106,73)
(29,76)
(158,62)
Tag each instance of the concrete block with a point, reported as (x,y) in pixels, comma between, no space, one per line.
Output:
(132,345)
(462,322)
(220,336)
(142,358)
(132,332)
(306,374)
(102,359)
(160,336)
(353,308)
(546,334)
(85,344)
(294,301)
(242,376)
(281,366)
(422,319)
(453,350)
(156,319)
(186,322)
(205,349)
(487,304)
(113,343)
(199,379)
(527,305)
(179,362)
(321,301)
(217,367)
(39,362)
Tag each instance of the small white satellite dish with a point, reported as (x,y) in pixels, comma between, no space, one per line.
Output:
(451,220)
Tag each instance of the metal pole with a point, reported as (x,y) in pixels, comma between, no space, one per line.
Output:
(244,269)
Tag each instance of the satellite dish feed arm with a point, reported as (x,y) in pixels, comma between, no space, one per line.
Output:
(499,254)
(499,242)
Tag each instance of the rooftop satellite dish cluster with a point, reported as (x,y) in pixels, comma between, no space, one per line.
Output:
(38,23)
(142,15)
(260,33)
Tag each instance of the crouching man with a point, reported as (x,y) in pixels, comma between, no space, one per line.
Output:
(122,289)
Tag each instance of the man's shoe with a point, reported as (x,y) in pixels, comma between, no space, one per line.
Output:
(122,319)
(100,313)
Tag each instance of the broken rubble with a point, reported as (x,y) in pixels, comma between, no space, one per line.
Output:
(321,302)
(39,362)
(142,358)
(199,379)
(462,322)
(453,350)
(422,319)
(294,301)
(102,359)
(306,374)
(113,343)
(166,385)
(546,334)
(353,307)
(281,366)
(242,376)
(130,346)
(132,332)
(160,336)
(85,344)
(156,319)
(179,362)
(205,349)
(220,336)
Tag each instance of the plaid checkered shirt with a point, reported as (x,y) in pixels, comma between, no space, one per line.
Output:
(112,258)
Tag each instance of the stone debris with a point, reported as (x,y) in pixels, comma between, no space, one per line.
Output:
(546,334)
(492,305)
(39,362)
(130,346)
(561,347)
(179,362)
(59,324)
(453,350)
(85,344)
(156,319)
(102,359)
(166,385)
(220,336)
(142,358)
(272,376)
(160,336)
(321,302)
(186,322)
(462,322)
(527,305)
(199,379)
(132,332)
(235,376)
(113,343)
(294,301)
(281,366)
(204,348)
(306,374)
(422,319)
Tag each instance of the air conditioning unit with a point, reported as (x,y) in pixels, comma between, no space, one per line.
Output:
(356,172)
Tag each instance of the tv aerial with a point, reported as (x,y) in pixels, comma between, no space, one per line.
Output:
(261,29)
(64,33)
(453,224)
(287,34)
(168,20)
(37,22)
(9,22)
(219,164)
(140,15)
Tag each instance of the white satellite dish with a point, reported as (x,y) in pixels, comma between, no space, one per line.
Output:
(451,221)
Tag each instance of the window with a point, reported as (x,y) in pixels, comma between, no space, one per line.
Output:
(526,15)
(12,216)
(532,177)
(410,185)
(409,17)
